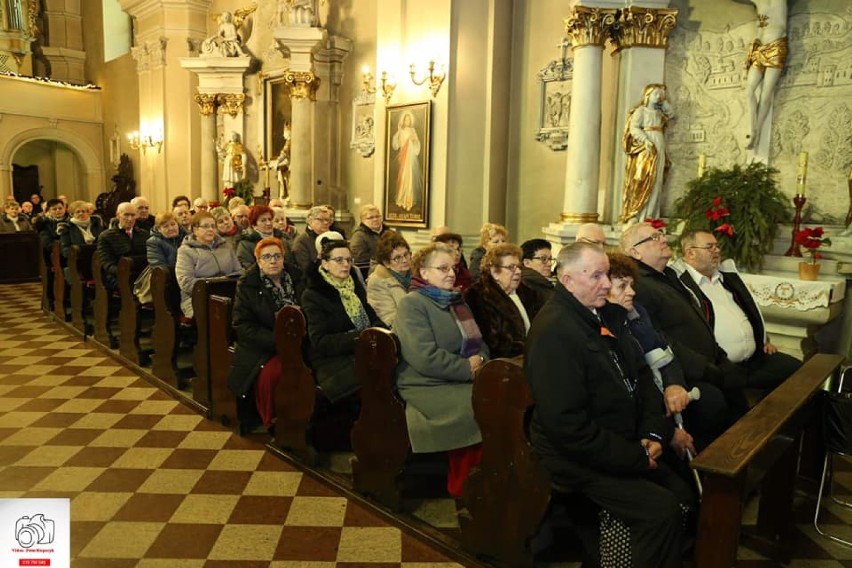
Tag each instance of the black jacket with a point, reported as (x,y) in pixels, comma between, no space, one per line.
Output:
(542,286)
(249,239)
(498,317)
(114,244)
(254,322)
(586,419)
(70,234)
(332,334)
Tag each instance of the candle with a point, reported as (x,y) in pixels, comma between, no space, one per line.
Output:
(702,164)
(802,173)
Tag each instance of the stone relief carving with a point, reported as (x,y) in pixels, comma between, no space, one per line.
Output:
(363,124)
(707,81)
(555,80)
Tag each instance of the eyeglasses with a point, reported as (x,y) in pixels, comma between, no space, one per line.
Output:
(711,246)
(341,259)
(591,241)
(401,257)
(655,237)
(443,269)
(543,259)
(511,267)
(269,257)
(323,220)
(207,226)
(372,217)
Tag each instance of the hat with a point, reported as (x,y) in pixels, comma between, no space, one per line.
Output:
(327,236)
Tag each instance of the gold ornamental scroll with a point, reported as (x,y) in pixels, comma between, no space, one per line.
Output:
(643,27)
(302,84)
(589,26)
(206,103)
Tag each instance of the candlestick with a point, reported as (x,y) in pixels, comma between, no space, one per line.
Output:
(802,173)
(702,164)
(799,202)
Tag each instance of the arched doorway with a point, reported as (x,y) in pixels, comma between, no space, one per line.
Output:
(49,168)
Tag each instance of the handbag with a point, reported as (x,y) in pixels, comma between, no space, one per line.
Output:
(142,286)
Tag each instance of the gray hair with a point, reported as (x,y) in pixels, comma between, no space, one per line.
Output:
(628,237)
(316,210)
(366,209)
(571,253)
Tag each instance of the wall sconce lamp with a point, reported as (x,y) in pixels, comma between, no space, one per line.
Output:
(386,85)
(435,81)
(145,141)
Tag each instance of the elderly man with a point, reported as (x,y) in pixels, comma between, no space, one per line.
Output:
(240,214)
(598,422)
(365,238)
(675,312)
(731,312)
(537,272)
(590,233)
(144,219)
(318,220)
(184,218)
(123,240)
(200,204)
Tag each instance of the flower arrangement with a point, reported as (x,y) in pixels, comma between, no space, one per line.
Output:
(812,239)
(242,189)
(742,205)
(658,224)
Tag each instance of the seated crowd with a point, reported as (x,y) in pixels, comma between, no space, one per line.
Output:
(616,341)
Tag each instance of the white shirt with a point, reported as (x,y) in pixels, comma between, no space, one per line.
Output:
(522,309)
(732,329)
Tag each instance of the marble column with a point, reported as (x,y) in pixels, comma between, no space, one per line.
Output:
(640,44)
(303,86)
(209,186)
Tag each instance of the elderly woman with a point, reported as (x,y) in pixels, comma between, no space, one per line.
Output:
(260,221)
(365,238)
(282,223)
(225,226)
(442,350)
(390,280)
(490,234)
(502,305)
(463,278)
(318,221)
(162,246)
(265,288)
(13,220)
(336,309)
(80,229)
(203,254)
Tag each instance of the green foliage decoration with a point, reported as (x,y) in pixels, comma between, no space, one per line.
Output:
(741,205)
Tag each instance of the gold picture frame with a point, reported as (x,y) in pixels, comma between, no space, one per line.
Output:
(407,146)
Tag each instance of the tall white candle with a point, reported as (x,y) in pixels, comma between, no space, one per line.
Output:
(802,173)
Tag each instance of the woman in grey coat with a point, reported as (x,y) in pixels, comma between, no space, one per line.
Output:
(203,254)
(442,350)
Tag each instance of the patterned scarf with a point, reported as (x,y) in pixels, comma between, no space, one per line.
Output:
(85,229)
(283,295)
(454,301)
(404,279)
(351,303)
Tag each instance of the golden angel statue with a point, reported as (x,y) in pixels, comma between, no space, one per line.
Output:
(644,141)
(227,42)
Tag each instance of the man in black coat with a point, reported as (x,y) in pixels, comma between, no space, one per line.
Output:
(124,240)
(598,422)
(675,312)
(732,313)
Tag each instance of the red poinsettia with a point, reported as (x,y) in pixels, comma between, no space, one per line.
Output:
(725,229)
(812,239)
(229,192)
(716,214)
(658,224)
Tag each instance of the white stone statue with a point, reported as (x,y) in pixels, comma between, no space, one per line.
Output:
(234,157)
(766,58)
(282,165)
(644,142)
(227,42)
(300,13)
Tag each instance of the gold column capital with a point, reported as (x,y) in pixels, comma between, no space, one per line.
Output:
(302,84)
(230,103)
(206,103)
(643,27)
(589,26)
(579,218)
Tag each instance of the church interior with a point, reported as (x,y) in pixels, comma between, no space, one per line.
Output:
(442,113)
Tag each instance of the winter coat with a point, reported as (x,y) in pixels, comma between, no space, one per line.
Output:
(114,244)
(305,250)
(70,234)
(253,320)
(498,317)
(246,244)
(162,251)
(541,285)
(384,292)
(332,335)
(7,226)
(364,242)
(196,260)
(433,379)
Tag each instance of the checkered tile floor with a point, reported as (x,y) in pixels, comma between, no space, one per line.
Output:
(151,483)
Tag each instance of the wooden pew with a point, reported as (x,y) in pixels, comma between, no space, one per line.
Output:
(295,397)
(80,276)
(380,435)
(25,249)
(201,292)
(165,334)
(761,448)
(223,402)
(130,316)
(59,284)
(43,274)
(101,304)
(507,495)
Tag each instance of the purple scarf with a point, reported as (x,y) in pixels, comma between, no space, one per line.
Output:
(454,301)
